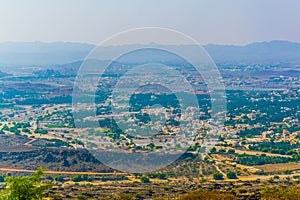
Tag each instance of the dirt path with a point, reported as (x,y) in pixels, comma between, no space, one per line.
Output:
(259,153)
(219,170)
(200,170)
(265,177)
(29,142)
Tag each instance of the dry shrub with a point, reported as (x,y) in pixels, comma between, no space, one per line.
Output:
(272,193)
(206,195)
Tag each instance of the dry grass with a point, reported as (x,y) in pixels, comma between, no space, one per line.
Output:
(272,193)
(279,167)
(206,195)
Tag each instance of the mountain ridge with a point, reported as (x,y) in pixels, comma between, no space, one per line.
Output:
(46,54)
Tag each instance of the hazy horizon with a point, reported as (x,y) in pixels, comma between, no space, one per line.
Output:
(86,43)
(208,22)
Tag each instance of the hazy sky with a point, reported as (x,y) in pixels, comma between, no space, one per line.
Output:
(91,21)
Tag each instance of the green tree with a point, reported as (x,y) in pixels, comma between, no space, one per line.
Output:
(231,175)
(213,150)
(59,178)
(218,176)
(145,179)
(162,176)
(231,151)
(25,187)
(5,128)
(2,178)
(151,145)
(77,178)
(222,151)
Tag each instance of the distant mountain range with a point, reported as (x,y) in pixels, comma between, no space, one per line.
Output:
(40,53)
(274,52)
(58,53)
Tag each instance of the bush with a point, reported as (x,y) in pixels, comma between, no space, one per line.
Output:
(2,178)
(218,176)
(162,176)
(213,150)
(145,179)
(81,197)
(281,193)
(231,151)
(287,171)
(59,178)
(122,197)
(231,175)
(25,187)
(79,178)
(206,195)
(222,151)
